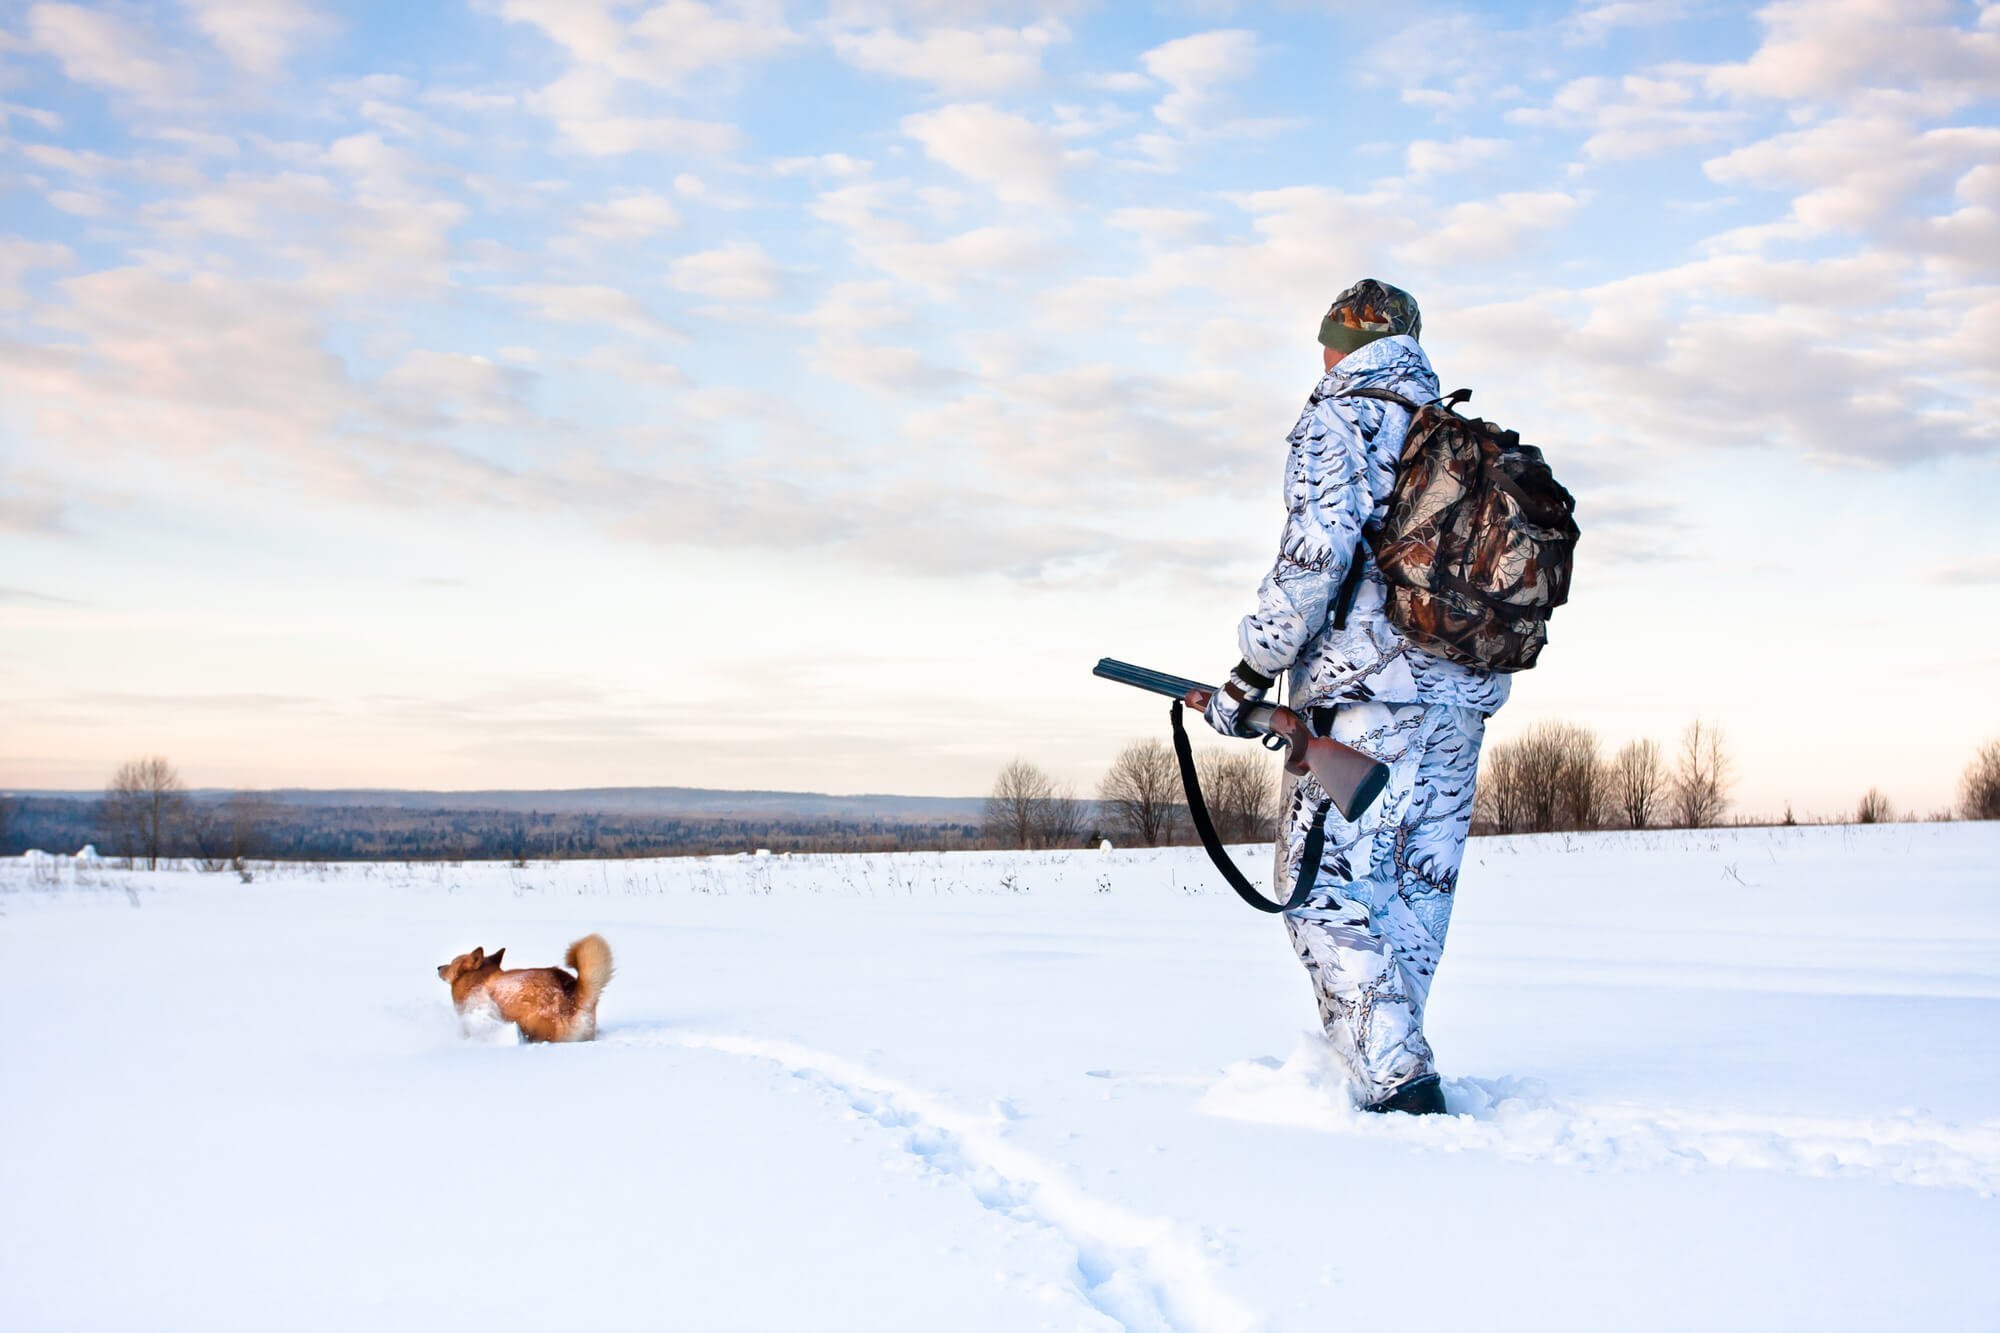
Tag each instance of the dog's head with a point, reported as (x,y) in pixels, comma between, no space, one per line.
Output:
(467,963)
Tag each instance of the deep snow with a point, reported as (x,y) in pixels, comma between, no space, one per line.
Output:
(1739,1079)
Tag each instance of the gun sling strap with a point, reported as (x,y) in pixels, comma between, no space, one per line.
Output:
(1203,825)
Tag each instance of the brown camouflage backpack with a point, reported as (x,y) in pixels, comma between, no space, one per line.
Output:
(1477,541)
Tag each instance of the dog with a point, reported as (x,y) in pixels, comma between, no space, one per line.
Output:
(544,1003)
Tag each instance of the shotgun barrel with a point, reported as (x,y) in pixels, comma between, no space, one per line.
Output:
(1352,779)
(1145,678)
(1259,719)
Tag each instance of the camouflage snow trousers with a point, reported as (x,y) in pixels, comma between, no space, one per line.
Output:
(1372,931)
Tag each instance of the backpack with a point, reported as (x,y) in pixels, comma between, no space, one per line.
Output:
(1477,541)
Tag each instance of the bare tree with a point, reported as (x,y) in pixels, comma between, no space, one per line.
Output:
(1874,808)
(1058,817)
(1141,793)
(1241,794)
(1702,776)
(1501,803)
(1028,808)
(1549,779)
(142,804)
(1010,808)
(224,834)
(1582,793)
(1979,788)
(1638,782)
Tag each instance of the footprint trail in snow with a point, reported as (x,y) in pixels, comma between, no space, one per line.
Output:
(1147,1274)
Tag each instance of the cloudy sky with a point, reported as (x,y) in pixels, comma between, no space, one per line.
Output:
(562,392)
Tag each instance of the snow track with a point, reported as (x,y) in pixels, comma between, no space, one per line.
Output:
(1147,1274)
(1520,1119)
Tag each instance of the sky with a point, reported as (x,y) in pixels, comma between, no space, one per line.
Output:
(567,393)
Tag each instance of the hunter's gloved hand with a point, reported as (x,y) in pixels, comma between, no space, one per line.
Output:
(1246,685)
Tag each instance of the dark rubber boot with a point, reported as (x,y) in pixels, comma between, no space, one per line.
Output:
(1420,1096)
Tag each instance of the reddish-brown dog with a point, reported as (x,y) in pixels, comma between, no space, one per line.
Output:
(545,1003)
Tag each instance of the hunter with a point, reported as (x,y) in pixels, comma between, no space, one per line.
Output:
(1371,933)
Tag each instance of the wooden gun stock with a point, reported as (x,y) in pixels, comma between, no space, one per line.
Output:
(1350,777)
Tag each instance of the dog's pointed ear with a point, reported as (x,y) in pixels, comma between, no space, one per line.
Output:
(477,956)
(493,959)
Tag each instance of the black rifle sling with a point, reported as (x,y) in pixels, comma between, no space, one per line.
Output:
(1198,812)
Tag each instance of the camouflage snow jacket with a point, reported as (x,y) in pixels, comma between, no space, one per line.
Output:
(1341,467)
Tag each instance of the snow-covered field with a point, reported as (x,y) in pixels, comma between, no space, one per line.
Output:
(1731,1080)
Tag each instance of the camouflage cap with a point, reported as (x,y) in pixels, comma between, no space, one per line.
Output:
(1369,310)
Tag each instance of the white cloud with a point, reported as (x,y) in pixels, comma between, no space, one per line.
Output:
(852,308)
(18,258)
(1194,69)
(34,115)
(1631,117)
(440,388)
(81,203)
(1597,21)
(690,186)
(633,366)
(739,271)
(1874,174)
(1828,361)
(883,368)
(991,254)
(839,166)
(376,166)
(1020,161)
(1488,229)
(258,36)
(105,51)
(954,61)
(198,143)
(1829,49)
(83,163)
(664,44)
(680,37)
(584,104)
(1175,225)
(1424,158)
(589,304)
(1118,81)
(858,209)
(471,101)
(628,215)
(195,363)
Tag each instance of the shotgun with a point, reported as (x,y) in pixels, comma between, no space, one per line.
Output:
(1350,777)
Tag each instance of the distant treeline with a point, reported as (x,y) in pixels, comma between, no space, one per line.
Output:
(224,827)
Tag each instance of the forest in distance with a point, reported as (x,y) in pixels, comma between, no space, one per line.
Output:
(1553,778)
(219,829)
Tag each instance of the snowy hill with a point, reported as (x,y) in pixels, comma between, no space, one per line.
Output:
(1735,1079)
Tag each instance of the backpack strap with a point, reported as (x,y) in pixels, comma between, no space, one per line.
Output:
(1350,584)
(1385,395)
(1447,402)
(1343,601)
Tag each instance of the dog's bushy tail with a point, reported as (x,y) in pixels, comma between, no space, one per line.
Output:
(590,959)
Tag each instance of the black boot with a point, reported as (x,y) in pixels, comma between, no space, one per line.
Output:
(1420,1096)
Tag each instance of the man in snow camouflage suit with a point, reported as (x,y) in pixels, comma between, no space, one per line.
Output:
(1371,932)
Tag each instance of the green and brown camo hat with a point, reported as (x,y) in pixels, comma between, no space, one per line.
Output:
(1366,311)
